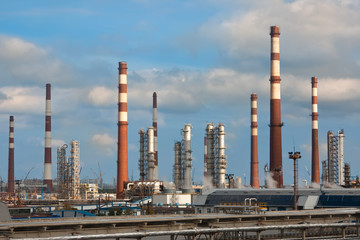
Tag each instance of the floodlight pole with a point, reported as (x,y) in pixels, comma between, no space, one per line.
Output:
(295,156)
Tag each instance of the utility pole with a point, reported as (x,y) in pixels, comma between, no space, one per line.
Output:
(295,156)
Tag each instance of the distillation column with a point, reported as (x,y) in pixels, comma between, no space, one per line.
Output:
(275,110)
(315,168)
(187,185)
(341,163)
(74,163)
(221,164)
(142,155)
(332,152)
(62,173)
(205,158)
(151,153)
(11,178)
(122,155)
(47,157)
(177,166)
(210,141)
(156,170)
(254,178)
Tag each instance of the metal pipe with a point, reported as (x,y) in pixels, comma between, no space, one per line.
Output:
(11,179)
(199,231)
(122,155)
(254,178)
(47,157)
(315,168)
(156,169)
(275,109)
(187,184)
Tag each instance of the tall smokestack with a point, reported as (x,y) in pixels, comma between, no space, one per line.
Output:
(11,180)
(275,110)
(47,164)
(156,172)
(254,181)
(122,156)
(315,169)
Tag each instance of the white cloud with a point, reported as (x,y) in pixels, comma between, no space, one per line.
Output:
(28,63)
(104,143)
(102,96)
(22,100)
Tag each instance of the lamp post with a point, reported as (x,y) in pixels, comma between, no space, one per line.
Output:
(295,156)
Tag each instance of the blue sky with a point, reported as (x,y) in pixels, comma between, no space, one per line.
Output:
(203,58)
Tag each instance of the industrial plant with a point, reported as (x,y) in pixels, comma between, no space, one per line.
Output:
(221,192)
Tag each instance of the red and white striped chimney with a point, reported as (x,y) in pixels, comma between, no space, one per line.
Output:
(315,168)
(47,157)
(11,179)
(122,156)
(254,181)
(275,109)
(156,170)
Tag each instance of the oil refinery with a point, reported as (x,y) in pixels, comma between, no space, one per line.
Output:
(221,192)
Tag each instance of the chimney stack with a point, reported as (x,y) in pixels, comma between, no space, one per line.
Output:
(122,156)
(11,179)
(275,110)
(315,169)
(254,181)
(47,157)
(156,170)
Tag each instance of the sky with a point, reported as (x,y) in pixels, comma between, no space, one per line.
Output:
(204,58)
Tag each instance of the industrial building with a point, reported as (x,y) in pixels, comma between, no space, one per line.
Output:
(239,200)
(219,192)
(68,171)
